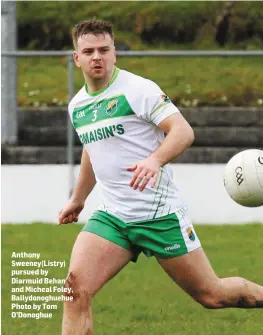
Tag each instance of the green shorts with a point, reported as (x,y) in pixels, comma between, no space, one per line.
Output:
(164,237)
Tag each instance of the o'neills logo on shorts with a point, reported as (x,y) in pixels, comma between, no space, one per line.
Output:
(173,247)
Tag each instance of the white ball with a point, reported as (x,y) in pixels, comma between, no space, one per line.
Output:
(243,178)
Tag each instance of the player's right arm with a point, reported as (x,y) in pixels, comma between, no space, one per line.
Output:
(85,184)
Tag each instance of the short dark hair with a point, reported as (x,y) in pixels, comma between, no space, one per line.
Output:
(93,26)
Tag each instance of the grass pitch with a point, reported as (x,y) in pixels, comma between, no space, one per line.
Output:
(189,81)
(142,299)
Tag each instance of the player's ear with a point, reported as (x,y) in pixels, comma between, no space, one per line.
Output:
(76,58)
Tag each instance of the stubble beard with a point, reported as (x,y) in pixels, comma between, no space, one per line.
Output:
(98,77)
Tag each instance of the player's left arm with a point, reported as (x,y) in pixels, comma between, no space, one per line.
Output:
(179,137)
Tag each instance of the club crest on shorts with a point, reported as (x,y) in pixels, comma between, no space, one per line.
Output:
(112,107)
(190,233)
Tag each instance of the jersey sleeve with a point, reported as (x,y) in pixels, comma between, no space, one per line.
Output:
(70,111)
(156,105)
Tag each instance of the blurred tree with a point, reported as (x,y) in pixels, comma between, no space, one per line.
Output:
(222,23)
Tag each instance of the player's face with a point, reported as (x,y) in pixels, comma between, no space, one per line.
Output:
(95,55)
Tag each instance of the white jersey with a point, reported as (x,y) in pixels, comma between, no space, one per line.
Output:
(118,127)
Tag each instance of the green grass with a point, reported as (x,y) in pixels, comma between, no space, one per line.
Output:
(142,299)
(190,82)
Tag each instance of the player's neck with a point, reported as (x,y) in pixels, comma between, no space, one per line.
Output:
(94,85)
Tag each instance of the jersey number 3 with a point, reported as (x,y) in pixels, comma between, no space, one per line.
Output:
(94,115)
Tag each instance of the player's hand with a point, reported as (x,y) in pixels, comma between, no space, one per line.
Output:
(144,171)
(70,212)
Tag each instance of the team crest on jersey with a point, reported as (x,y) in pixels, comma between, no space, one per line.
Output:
(112,107)
(165,98)
(190,233)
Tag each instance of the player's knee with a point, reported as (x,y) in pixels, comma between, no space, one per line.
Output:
(210,298)
(209,301)
(75,292)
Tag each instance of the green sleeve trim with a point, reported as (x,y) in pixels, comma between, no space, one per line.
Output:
(160,106)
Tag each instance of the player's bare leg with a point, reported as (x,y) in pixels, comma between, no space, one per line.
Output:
(94,261)
(194,274)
